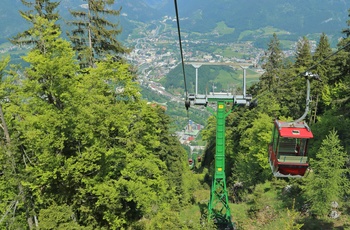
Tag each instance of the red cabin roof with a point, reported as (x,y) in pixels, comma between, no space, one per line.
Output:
(293,130)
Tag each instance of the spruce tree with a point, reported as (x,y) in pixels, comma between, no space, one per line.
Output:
(303,55)
(323,50)
(343,67)
(43,8)
(346,31)
(325,70)
(94,35)
(273,65)
(326,182)
(294,89)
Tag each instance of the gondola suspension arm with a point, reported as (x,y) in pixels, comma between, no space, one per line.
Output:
(308,76)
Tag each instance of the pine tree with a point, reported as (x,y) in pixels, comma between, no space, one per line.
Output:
(93,35)
(43,8)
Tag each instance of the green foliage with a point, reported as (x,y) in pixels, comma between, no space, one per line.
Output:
(179,117)
(88,153)
(328,121)
(151,95)
(3,64)
(273,65)
(303,54)
(252,163)
(327,182)
(321,90)
(58,217)
(83,151)
(292,217)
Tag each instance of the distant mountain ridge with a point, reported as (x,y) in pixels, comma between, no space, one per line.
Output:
(299,17)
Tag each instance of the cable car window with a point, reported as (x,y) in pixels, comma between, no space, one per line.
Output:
(296,132)
(275,140)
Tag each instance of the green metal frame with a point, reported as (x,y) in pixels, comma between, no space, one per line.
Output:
(218,208)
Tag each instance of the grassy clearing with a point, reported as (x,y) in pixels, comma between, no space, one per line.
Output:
(191,215)
(225,77)
(262,32)
(235,78)
(269,30)
(245,34)
(229,53)
(223,29)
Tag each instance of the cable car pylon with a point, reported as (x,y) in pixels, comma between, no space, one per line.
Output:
(218,207)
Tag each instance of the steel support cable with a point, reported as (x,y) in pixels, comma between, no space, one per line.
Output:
(182,57)
(328,57)
(305,73)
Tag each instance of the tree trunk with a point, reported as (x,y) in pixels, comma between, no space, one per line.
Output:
(89,35)
(4,126)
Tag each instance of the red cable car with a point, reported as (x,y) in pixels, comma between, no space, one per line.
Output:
(288,149)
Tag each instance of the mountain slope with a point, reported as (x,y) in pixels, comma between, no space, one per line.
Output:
(301,17)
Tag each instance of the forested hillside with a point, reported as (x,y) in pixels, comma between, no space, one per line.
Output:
(80,149)
(321,199)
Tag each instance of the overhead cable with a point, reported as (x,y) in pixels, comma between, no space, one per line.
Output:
(180,43)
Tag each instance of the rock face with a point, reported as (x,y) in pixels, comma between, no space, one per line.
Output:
(334,204)
(334,214)
(287,189)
